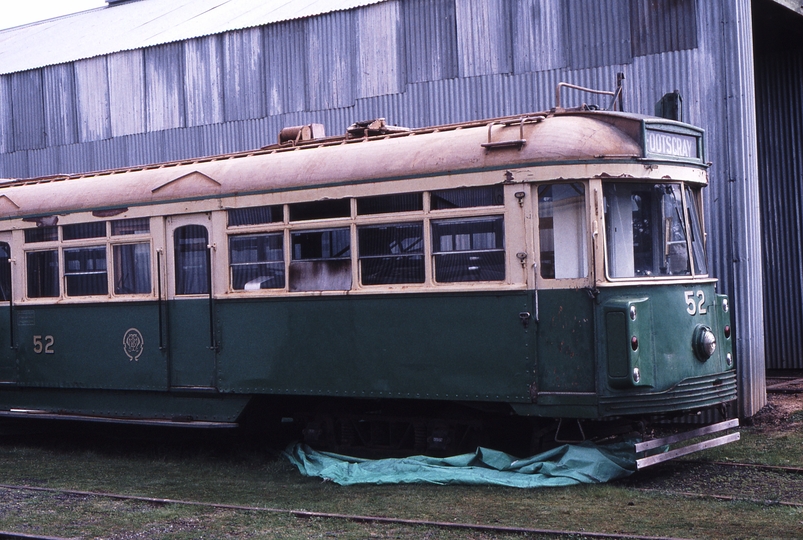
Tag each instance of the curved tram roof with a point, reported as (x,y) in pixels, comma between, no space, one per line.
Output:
(506,143)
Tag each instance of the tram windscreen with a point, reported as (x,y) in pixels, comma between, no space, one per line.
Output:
(652,230)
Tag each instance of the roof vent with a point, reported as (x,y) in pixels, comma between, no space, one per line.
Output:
(371,128)
(296,134)
(670,106)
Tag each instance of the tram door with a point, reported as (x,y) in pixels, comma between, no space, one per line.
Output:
(8,358)
(192,341)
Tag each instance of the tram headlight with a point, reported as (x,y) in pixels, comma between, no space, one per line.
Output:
(704,342)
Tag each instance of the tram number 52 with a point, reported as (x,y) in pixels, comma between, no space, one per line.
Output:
(41,345)
(694,305)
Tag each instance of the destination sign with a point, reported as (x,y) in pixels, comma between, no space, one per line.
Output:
(671,144)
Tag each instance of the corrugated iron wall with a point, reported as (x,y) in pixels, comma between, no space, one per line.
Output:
(416,63)
(779,100)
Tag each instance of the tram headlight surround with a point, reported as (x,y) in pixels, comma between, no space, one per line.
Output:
(704,342)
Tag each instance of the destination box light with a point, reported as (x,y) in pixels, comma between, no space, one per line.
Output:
(671,144)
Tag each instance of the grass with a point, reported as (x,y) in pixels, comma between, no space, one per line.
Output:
(226,472)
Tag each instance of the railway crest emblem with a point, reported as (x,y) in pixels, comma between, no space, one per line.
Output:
(133,344)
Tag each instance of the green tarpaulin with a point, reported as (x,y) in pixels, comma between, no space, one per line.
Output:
(563,466)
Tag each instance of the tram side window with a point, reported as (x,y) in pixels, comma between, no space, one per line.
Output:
(132,268)
(469,249)
(321,260)
(562,231)
(255,216)
(386,204)
(78,231)
(5,272)
(467,197)
(85,271)
(123,227)
(192,259)
(41,234)
(43,273)
(257,261)
(391,253)
(131,261)
(697,237)
(326,209)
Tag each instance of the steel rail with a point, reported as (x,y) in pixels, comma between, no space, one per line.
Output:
(737,464)
(346,517)
(727,498)
(7,535)
(732,498)
(782,387)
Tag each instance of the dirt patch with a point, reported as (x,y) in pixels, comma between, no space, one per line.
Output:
(784,409)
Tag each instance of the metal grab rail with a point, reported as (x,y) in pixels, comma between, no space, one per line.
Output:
(159,302)
(521,141)
(11,338)
(614,95)
(213,345)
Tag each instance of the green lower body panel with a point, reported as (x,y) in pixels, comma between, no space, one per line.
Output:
(205,362)
(439,347)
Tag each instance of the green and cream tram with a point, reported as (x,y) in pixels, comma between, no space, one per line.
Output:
(546,266)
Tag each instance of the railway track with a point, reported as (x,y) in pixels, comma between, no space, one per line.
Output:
(468,527)
(667,481)
(784,385)
(725,481)
(6,535)
(671,479)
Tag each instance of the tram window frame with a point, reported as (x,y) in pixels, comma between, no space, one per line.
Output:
(400,262)
(563,246)
(694,216)
(377,205)
(309,267)
(661,248)
(125,233)
(313,266)
(86,275)
(84,231)
(39,283)
(38,235)
(467,197)
(130,226)
(320,209)
(255,215)
(195,282)
(462,260)
(275,279)
(90,261)
(139,281)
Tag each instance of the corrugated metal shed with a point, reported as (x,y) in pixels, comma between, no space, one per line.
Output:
(779,100)
(145,23)
(204,78)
